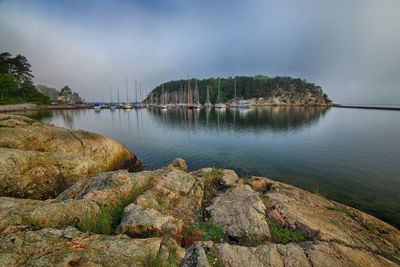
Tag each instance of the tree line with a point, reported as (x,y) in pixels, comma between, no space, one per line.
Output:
(16,85)
(246,87)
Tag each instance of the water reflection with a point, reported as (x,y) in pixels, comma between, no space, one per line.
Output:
(346,154)
(280,119)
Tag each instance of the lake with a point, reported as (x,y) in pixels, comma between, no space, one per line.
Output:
(349,155)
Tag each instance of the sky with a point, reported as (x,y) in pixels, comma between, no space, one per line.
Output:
(349,47)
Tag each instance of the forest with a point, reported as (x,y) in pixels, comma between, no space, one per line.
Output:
(247,87)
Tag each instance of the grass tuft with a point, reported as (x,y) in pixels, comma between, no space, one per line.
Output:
(213,258)
(202,231)
(284,235)
(110,218)
(342,210)
(100,224)
(211,185)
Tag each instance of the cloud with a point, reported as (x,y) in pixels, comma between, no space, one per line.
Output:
(350,48)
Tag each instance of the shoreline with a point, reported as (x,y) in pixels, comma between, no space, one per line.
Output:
(366,107)
(33,107)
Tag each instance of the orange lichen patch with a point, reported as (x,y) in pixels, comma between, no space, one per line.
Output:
(75,245)
(260,184)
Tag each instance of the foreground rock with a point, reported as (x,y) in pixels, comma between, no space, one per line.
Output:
(39,160)
(175,200)
(82,204)
(308,254)
(328,221)
(69,247)
(241,214)
(209,217)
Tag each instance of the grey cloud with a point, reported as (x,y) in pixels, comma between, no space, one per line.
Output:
(350,48)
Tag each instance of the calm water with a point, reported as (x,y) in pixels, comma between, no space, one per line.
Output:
(349,155)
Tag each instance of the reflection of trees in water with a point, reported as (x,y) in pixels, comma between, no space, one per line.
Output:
(67,116)
(275,118)
(35,114)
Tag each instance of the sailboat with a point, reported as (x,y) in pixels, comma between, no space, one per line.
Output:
(181,97)
(208,104)
(189,96)
(136,104)
(234,103)
(127,104)
(219,104)
(163,104)
(112,105)
(196,97)
(119,105)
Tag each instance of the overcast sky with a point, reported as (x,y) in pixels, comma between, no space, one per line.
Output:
(349,47)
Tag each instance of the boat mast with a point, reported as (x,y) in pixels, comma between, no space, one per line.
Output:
(219,89)
(235,90)
(135,92)
(140,91)
(208,94)
(126,87)
(163,96)
(196,93)
(111,95)
(118,95)
(190,98)
(181,95)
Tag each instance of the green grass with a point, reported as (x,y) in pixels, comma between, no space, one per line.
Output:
(213,258)
(97,224)
(342,210)
(110,218)
(283,235)
(370,227)
(157,260)
(202,231)
(211,184)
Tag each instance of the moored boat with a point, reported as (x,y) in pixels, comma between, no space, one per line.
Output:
(219,104)
(244,104)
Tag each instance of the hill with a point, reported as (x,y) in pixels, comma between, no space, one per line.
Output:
(262,90)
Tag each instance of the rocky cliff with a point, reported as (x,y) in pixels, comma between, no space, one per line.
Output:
(39,160)
(172,217)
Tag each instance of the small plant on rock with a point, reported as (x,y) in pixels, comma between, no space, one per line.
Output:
(202,231)
(284,235)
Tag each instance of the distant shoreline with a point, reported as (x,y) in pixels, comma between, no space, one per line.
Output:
(32,107)
(366,107)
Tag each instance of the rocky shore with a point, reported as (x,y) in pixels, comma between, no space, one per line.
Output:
(165,217)
(30,106)
(288,98)
(39,160)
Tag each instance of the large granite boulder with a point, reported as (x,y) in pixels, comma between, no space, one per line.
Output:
(46,214)
(142,222)
(307,254)
(39,160)
(84,202)
(241,214)
(69,247)
(325,220)
(174,200)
